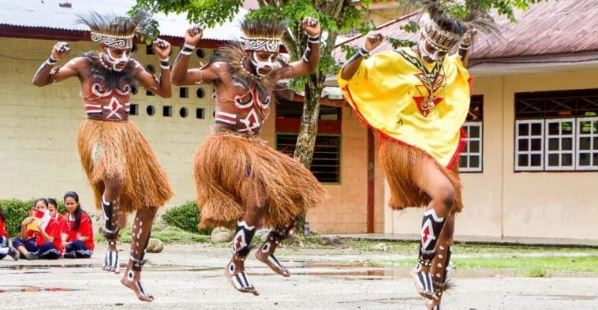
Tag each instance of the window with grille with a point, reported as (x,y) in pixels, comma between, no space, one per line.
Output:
(326,162)
(471,157)
(327,150)
(556,131)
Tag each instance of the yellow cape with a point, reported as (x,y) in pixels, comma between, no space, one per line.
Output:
(406,99)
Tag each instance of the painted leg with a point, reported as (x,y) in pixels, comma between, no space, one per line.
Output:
(110,227)
(421,275)
(110,223)
(142,227)
(441,262)
(235,270)
(266,252)
(438,187)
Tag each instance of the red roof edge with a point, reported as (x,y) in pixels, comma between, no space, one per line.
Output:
(44,33)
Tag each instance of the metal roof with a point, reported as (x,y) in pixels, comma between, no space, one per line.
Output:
(546,28)
(62,15)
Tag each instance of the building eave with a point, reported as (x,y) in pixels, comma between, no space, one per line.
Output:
(45,33)
(534,64)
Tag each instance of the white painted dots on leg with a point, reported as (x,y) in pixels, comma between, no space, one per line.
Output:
(266,247)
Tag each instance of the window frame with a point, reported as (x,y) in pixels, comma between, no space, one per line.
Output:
(593,135)
(468,154)
(560,151)
(529,138)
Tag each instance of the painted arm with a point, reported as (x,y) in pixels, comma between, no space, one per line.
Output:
(309,61)
(181,74)
(161,87)
(48,73)
(372,41)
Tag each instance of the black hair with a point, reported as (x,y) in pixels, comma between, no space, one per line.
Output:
(52,201)
(78,211)
(44,200)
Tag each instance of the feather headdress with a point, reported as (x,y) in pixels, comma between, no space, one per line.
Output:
(263,34)
(118,31)
(443,23)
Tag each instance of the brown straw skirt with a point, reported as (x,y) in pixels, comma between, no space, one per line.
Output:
(401,163)
(231,169)
(118,151)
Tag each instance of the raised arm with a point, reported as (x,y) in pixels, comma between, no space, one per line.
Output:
(161,87)
(48,73)
(465,46)
(372,41)
(181,74)
(309,61)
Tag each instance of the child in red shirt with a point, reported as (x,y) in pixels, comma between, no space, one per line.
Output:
(5,248)
(44,242)
(77,235)
(54,214)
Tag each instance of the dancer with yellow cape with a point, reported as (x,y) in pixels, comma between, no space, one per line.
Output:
(417,100)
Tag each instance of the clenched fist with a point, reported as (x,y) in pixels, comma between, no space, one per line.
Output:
(162,48)
(60,49)
(311,26)
(372,41)
(193,35)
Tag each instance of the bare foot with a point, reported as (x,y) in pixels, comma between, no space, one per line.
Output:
(264,255)
(432,305)
(235,273)
(423,284)
(135,285)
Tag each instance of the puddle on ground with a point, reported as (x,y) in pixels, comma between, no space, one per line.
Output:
(330,269)
(324,264)
(34,289)
(391,300)
(179,268)
(363,274)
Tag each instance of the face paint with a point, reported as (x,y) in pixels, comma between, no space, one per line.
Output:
(118,62)
(263,67)
(427,51)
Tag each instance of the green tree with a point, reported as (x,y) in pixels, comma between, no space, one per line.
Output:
(336,16)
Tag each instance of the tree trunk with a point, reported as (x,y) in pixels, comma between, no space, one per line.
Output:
(306,139)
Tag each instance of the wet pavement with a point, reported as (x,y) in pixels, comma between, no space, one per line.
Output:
(190,277)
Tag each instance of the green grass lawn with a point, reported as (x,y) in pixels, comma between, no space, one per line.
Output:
(519,265)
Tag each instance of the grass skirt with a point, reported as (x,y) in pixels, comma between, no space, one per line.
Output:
(231,169)
(401,163)
(118,151)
